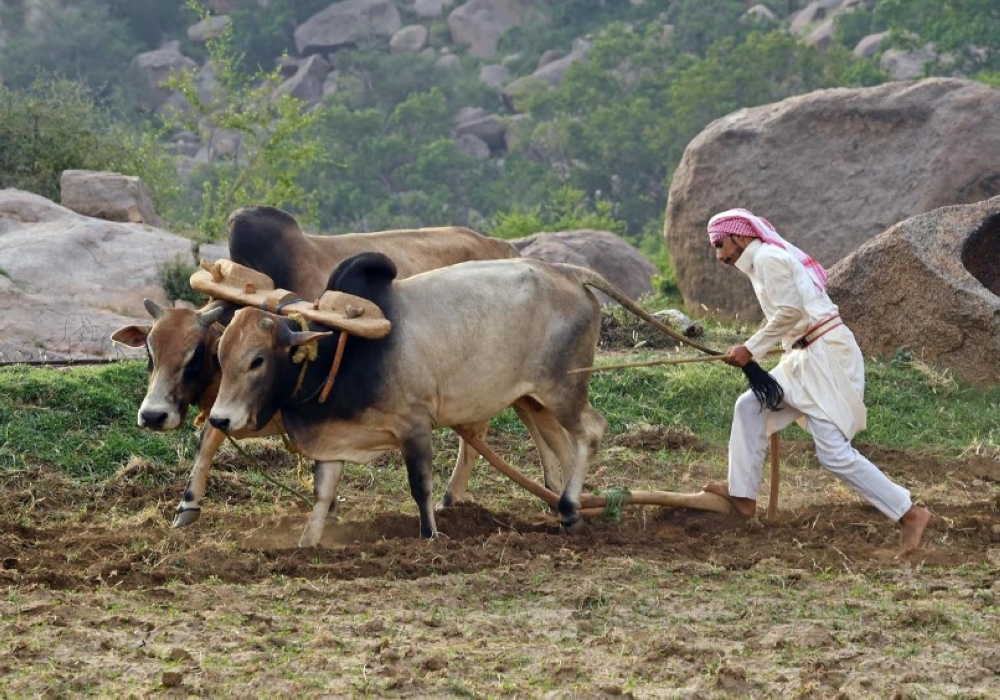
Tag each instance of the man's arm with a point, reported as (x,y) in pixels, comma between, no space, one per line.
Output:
(777,275)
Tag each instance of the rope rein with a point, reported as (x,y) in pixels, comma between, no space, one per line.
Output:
(275,482)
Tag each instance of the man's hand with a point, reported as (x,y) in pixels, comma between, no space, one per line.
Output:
(738,355)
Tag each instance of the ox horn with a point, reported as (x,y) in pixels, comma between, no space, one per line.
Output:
(297,338)
(293,339)
(207,318)
(154,309)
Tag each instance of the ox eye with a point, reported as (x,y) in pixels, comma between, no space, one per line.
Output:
(257,362)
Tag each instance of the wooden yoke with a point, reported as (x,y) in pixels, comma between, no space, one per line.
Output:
(241,285)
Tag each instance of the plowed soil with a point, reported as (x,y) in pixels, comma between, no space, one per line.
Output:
(104,598)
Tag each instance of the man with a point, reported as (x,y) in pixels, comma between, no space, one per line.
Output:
(822,373)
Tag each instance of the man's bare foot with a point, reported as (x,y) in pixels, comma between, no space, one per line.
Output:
(912,526)
(746,507)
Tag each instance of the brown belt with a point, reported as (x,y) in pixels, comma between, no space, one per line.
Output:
(817,332)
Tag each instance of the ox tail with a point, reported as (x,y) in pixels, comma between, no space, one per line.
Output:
(765,388)
(593,279)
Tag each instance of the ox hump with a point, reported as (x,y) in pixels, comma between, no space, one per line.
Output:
(367,275)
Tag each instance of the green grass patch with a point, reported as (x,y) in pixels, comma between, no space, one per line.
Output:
(82,419)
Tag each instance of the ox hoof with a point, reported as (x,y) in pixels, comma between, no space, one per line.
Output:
(450,501)
(186,517)
(573,524)
(309,539)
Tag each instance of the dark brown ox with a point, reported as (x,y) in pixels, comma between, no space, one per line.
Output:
(181,343)
(467,342)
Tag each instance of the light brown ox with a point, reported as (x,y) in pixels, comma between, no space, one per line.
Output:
(467,342)
(181,343)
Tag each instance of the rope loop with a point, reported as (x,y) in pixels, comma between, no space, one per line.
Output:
(615,501)
(309,351)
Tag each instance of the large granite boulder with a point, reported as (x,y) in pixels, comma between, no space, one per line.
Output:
(346,24)
(150,69)
(307,82)
(929,285)
(106,195)
(616,259)
(830,169)
(479,24)
(70,280)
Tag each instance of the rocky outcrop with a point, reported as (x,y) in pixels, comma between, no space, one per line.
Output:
(345,24)
(68,281)
(603,251)
(108,196)
(486,127)
(548,75)
(307,82)
(430,9)
(148,71)
(409,39)
(929,285)
(831,170)
(479,24)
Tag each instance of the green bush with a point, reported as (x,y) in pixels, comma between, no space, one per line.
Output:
(56,125)
(175,278)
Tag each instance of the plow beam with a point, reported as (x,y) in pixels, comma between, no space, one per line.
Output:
(592,504)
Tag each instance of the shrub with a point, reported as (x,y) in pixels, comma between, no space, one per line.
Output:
(56,125)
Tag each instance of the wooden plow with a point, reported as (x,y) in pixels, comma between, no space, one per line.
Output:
(592,504)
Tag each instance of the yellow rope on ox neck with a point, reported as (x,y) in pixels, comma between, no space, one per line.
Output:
(301,469)
(305,353)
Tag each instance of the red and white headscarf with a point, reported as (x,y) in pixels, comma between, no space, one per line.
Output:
(743,222)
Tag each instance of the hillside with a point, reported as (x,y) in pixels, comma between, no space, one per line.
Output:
(511,116)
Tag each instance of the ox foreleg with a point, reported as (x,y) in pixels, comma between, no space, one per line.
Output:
(466,460)
(418,454)
(552,468)
(326,476)
(189,510)
(584,442)
(563,445)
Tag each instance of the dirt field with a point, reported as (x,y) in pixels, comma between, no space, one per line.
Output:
(103,598)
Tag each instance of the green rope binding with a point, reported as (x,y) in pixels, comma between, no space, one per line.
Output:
(615,501)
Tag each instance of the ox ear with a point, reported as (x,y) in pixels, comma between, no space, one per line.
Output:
(207,318)
(131,336)
(154,309)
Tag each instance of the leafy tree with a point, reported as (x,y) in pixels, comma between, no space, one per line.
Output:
(402,169)
(383,81)
(606,122)
(968,31)
(263,32)
(568,210)
(851,27)
(274,132)
(697,24)
(56,124)
(84,42)
(151,23)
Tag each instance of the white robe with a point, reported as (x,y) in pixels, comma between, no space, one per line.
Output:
(826,379)
(824,384)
